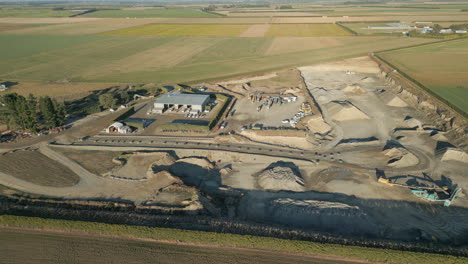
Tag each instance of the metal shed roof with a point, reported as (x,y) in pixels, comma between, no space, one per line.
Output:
(182,99)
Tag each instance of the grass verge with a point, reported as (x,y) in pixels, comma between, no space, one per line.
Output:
(219,239)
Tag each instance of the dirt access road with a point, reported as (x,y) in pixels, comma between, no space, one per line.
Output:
(49,247)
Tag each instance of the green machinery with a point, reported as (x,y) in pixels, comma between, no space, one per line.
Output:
(433,196)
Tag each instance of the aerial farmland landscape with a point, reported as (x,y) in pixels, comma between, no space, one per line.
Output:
(233,131)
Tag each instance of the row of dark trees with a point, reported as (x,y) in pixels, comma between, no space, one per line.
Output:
(31,113)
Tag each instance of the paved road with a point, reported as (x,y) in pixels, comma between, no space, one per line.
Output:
(174,143)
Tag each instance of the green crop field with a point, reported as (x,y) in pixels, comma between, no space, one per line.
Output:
(175,12)
(181,30)
(306,30)
(440,67)
(24,11)
(164,59)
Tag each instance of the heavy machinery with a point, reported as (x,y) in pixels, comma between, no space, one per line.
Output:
(433,193)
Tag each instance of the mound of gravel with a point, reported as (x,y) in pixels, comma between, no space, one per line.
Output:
(345,111)
(281,179)
(367,80)
(399,157)
(316,124)
(412,122)
(453,154)
(397,102)
(354,89)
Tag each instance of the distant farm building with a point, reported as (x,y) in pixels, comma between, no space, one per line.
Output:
(460,31)
(194,102)
(445,31)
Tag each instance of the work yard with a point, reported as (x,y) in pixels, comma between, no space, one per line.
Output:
(440,67)
(306,30)
(182,30)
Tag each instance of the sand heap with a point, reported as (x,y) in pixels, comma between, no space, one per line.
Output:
(397,102)
(281,179)
(354,89)
(412,122)
(455,155)
(317,125)
(345,111)
(399,157)
(367,80)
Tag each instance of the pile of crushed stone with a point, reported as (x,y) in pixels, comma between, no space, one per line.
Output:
(281,179)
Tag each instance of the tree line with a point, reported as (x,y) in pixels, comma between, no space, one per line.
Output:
(31,113)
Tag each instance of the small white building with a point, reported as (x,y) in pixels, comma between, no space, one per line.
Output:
(118,128)
(445,31)
(460,31)
(426,30)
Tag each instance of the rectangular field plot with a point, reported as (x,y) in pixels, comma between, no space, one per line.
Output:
(182,30)
(306,30)
(440,67)
(174,12)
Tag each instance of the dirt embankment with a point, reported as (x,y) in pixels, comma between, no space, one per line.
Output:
(445,118)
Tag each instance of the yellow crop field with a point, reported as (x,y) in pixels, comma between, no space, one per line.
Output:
(182,30)
(306,30)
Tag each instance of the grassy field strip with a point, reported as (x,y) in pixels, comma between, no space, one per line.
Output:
(275,30)
(447,78)
(225,30)
(202,67)
(97,59)
(164,55)
(14,47)
(87,56)
(174,12)
(218,239)
(306,30)
(82,28)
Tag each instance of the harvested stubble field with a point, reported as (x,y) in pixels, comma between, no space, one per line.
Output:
(440,67)
(34,167)
(306,30)
(182,30)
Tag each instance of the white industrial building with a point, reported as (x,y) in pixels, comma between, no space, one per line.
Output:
(194,102)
